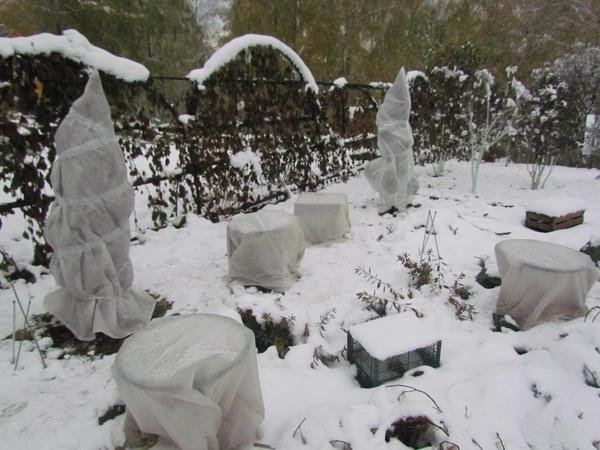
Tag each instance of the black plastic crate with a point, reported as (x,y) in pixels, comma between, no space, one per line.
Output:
(373,372)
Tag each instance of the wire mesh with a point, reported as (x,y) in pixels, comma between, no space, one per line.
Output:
(372,372)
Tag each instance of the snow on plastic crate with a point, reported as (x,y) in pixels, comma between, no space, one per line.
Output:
(554,213)
(384,349)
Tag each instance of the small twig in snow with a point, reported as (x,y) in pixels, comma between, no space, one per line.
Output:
(259,445)
(501,443)
(299,430)
(590,377)
(414,389)
(439,427)
(590,311)
(346,445)
(477,444)
(28,326)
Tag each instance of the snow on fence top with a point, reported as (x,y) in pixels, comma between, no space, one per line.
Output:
(75,46)
(412,74)
(230,50)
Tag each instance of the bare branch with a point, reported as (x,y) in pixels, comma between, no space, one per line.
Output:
(299,430)
(501,443)
(414,389)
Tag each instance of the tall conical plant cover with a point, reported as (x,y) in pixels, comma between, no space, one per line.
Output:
(392,174)
(88,225)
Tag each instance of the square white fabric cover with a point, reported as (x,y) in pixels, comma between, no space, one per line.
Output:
(192,379)
(264,249)
(392,174)
(542,281)
(322,216)
(88,225)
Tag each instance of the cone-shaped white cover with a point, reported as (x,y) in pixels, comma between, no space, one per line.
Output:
(88,225)
(392,174)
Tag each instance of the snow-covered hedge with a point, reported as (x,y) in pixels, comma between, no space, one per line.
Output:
(249,135)
(75,47)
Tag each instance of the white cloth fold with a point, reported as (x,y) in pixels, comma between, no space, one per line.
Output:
(264,249)
(88,225)
(392,174)
(542,281)
(192,379)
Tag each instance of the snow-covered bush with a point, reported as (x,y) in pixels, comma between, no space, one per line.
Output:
(492,114)
(437,116)
(546,129)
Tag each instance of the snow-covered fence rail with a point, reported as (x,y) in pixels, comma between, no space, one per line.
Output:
(249,137)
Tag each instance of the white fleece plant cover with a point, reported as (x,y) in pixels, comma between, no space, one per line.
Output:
(193,380)
(264,249)
(542,281)
(322,216)
(392,174)
(88,225)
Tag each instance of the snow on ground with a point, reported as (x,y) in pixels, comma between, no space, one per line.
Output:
(485,390)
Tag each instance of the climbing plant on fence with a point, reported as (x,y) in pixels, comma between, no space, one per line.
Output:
(252,134)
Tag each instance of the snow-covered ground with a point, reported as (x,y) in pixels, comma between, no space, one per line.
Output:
(489,395)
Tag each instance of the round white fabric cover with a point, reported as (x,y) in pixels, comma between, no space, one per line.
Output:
(322,216)
(88,225)
(193,380)
(542,281)
(264,249)
(392,174)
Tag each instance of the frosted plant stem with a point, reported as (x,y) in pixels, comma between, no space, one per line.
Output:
(94,313)
(28,326)
(27,313)
(14,327)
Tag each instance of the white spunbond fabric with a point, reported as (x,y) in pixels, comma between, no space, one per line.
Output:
(193,380)
(542,281)
(392,174)
(88,225)
(323,216)
(264,249)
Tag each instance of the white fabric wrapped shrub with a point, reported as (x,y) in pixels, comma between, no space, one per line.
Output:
(88,225)
(323,217)
(392,174)
(264,249)
(542,281)
(193,380)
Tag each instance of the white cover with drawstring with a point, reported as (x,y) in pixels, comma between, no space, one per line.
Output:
(542,281)
(193,380)
(88,225)
(264,249)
